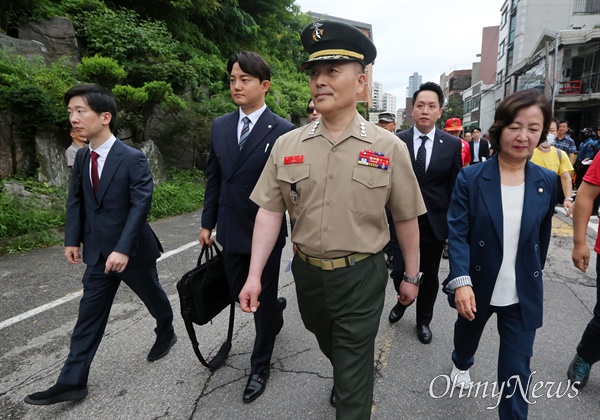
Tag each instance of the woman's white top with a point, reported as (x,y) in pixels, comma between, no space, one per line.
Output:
(505,290)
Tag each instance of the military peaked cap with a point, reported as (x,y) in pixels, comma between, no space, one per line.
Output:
(327,40)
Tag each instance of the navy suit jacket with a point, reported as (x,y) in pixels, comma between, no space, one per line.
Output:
(436,186)
(476,235)
(484,150)
(231,176)
(115,218)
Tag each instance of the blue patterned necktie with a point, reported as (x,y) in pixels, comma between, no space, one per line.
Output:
(421,158)
(245,132)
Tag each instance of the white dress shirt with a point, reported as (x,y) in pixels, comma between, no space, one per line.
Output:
(428,145)
(253,119)
(102,154)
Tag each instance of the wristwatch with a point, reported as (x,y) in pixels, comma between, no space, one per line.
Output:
(418,279)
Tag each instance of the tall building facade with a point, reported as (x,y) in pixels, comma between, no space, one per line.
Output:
(414,82)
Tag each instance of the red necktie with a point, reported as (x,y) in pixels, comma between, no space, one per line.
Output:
(95,177)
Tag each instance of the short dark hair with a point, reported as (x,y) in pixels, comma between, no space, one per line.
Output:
(476,128)
(563,122)
(97,98)
(309,101)
(509,108)
(251,63)
(434,87)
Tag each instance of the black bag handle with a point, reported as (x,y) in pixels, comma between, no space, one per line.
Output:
(189,325)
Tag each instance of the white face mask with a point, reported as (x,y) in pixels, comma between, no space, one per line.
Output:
(549,140)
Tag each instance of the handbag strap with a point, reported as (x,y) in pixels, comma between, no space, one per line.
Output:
(225,347)
(223,352)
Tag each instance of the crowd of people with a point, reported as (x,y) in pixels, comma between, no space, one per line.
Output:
(351,189)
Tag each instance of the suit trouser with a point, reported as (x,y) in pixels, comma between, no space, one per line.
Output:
(430,251)
(99,291)
(342,308)
(516,349)
(266,317)
(589,346)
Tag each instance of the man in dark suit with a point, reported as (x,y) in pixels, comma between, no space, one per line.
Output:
(480,148)
(240,145)
(436,159)
(108,205)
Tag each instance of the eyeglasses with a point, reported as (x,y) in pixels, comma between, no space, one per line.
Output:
(310,110)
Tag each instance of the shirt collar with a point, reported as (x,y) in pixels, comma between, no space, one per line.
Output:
(417,134)
(253,116)
(106,146)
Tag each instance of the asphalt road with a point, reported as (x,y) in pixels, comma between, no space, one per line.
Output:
(410,380)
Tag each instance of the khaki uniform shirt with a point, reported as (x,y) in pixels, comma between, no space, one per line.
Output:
(340,209)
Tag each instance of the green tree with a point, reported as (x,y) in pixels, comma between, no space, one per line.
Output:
(452,109)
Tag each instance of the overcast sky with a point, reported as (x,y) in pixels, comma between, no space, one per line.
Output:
(425,36)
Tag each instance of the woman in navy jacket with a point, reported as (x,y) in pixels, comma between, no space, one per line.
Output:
(499,223)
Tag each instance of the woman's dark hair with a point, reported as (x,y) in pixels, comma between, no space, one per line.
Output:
(252,64)
(97,98)
(510,107)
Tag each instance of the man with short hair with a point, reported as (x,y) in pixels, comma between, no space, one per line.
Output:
(107,211)
(436,160)
(240,143)
(480,148)
(564,142)
(387,121)
(77,143)
(334,177)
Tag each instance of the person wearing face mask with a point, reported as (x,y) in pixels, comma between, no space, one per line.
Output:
(556,160)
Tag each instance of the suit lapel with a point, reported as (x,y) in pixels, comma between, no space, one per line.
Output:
(490,191)
(256,138)
(230,137)
(112,162)
(408,139)
(534,199)
(436,150)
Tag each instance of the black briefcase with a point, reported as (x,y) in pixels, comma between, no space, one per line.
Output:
(203,294)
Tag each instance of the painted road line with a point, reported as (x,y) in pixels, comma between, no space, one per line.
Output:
(75,295)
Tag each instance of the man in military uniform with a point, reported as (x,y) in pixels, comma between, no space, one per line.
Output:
(335,177)
(387,120)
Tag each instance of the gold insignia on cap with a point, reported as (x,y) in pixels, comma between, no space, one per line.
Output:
(317,31)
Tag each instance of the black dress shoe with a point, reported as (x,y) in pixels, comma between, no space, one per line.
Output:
(257,382)
(161,348)
(281,304)
(424,333)
(396,313)
(57,393)
(332,400)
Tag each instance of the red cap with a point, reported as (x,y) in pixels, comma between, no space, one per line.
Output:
(453,124)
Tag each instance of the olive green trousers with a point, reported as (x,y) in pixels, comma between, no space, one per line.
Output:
(342,308)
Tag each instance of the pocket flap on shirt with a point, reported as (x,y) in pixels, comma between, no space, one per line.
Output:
(371,177)
(293,173)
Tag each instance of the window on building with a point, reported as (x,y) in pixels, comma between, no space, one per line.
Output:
(589,7)
(512,29)
(501,48)
(509,59)
(476,102)
(507,89)
(499,76)
(504,17)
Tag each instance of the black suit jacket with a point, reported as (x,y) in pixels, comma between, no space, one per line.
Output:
(115,218)
(231,176)
(438,182)
(484,150)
